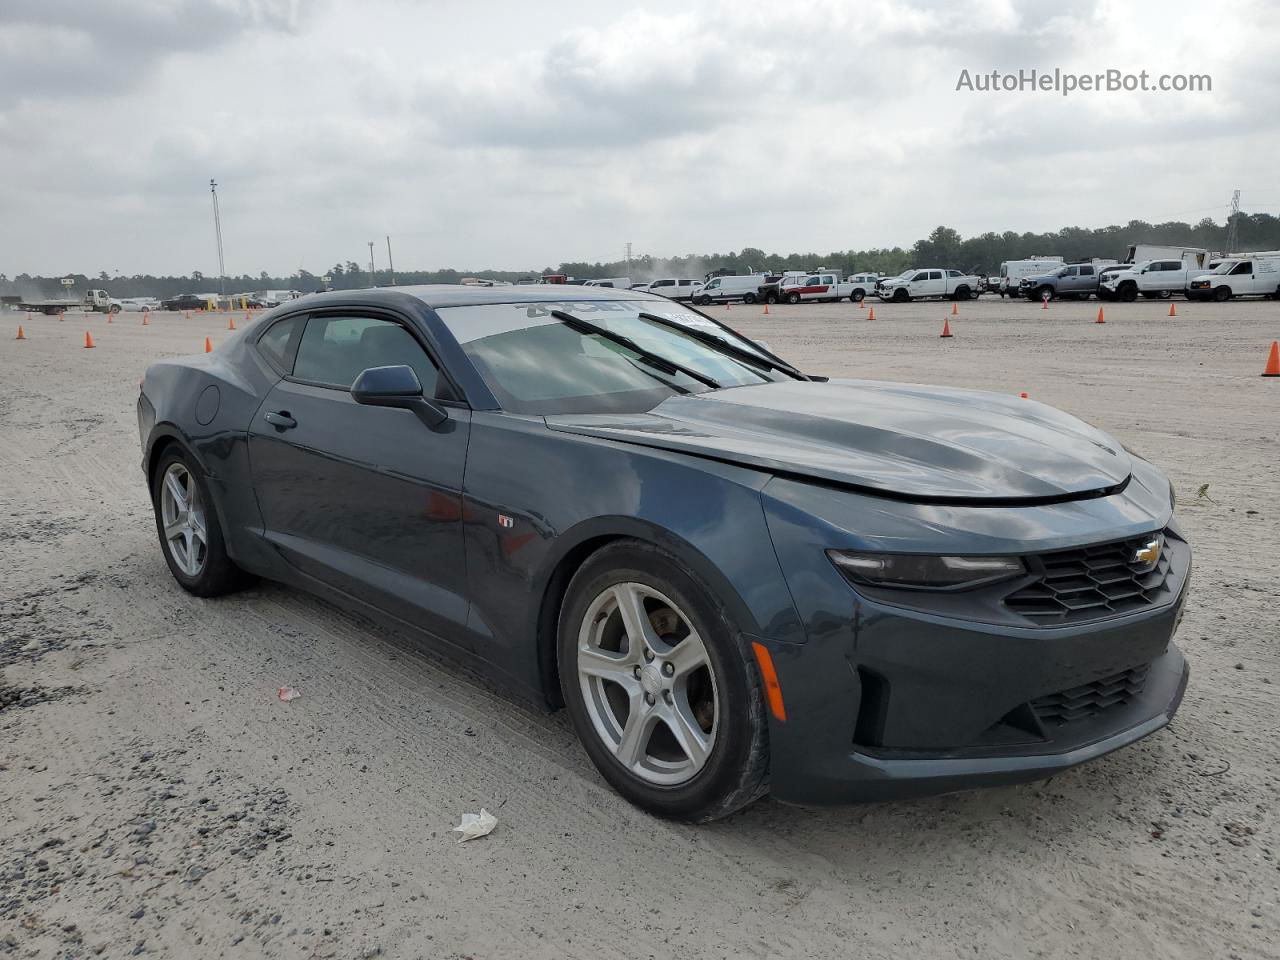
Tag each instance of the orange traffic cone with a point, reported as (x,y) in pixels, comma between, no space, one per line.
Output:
(1101,318)
(1044,304)
(1023,395)
(231,323)
(955,310)
(208,345)
(946,328)
(21,335)
(146,318)
(862,304)
(871,315)
(88,340)
(108,316)
(1273,361)
(766,309)
(1173,310)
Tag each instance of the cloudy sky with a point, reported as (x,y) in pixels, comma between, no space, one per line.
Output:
(518,135)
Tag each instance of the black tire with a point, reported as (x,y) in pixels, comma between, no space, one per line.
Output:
(857,296)
(219,574)
(702,301)
(901,296)
(962,293)
(1128,293)
(771,298)
(793,298)
(114,308)
(1222,294)
(1044,293)
(748,298)
(736,769)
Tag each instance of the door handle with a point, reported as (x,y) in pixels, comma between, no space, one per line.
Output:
(282,420)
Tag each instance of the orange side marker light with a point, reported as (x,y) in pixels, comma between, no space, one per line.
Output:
(772,689)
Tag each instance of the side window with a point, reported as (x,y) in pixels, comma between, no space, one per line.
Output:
(828,279)
(954,273)
(811,282)
(935,274)
(1070,272)
(1086,271)
(1242,267)
(336,350)
(277,343)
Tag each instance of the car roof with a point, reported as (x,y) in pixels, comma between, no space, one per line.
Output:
(458,294)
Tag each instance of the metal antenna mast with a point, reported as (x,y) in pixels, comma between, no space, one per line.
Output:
(371,283)
(391,267)
(1233,230)
(217,232)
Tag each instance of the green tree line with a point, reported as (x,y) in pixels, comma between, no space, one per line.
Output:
(944,247)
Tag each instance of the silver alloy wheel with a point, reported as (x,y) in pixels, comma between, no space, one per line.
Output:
(648,684)
(182,516)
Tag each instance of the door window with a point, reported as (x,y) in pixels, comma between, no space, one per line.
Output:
(935,274)
(1086,271)
(1243,266)
(335,350)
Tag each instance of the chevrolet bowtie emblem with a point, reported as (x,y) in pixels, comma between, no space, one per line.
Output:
(1148,554)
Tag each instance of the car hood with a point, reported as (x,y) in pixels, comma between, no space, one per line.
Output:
(910,441)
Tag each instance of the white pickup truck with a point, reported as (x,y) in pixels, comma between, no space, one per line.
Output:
(825,286)
(94,301)
(928,282)
(1151,278)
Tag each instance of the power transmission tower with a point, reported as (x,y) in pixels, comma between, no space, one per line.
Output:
(1233,230)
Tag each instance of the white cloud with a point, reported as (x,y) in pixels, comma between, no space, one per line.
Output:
(523,135)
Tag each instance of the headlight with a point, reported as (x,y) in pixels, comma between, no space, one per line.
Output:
(920,572)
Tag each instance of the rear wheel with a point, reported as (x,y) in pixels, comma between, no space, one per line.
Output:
(748,298)
(659,686)
(857,296)
(188,528)
(793,298)
(771,298)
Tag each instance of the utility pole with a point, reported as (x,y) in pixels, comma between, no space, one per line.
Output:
(1233,230)
(217,232)
(391,267)
(371,283)
(628,258)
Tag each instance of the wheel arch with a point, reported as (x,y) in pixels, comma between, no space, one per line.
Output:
(579,544)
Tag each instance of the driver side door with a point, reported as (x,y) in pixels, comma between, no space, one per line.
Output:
(364,499)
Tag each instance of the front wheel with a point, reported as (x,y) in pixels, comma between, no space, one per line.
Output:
(702,301)
(1128,293)
(187,524)
(1044,293)
(659,686)
(1222,294)
(962,293)
(901,296)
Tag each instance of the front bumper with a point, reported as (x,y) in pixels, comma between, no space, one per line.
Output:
(887,702)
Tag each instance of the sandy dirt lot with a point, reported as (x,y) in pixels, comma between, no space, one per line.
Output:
(159,800)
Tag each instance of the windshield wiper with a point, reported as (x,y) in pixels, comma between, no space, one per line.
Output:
(717,342)
(653,359)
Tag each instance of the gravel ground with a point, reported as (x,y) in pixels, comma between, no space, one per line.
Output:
(160,800)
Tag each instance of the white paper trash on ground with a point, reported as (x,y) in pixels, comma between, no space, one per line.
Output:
(476,825)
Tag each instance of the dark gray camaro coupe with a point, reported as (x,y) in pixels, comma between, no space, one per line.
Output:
(737,578)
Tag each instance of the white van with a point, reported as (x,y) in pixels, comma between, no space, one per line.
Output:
(1012,271)
(674,288)
(724,289)
(1254,277)
(619,283)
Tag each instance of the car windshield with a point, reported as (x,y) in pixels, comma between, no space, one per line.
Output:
(1226,266)
(537,364)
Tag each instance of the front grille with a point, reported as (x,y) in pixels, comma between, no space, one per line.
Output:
(1079,703)
(1091,583)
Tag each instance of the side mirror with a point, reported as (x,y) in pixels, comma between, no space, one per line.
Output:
(397,386)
